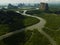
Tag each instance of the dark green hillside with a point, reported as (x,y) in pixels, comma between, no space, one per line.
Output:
(11,18)
(11,21)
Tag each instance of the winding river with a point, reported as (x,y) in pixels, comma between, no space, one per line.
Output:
(38,26)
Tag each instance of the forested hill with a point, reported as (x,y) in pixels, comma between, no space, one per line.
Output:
(12,19)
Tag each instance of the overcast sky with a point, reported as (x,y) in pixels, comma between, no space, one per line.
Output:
(26,1)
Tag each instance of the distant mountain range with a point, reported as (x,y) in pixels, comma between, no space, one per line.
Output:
(28,3)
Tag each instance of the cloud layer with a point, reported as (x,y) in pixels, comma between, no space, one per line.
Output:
(27,1)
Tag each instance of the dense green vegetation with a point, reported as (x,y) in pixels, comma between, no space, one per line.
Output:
(28,21)
(27,37)
(37,39)
(3,29)
(55,34)
(52,26)
(53,21)
(32,12)
(11,21)
(17,39)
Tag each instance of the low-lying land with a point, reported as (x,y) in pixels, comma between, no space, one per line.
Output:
(26,37)
(17,39)
(52,26)
(55,34)
(53,20)
(11,21)
(37,39)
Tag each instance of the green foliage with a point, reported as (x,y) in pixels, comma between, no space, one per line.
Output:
(33,12)
(53,21)
(4,29)
(55,34)
(28,21)
(52,26)
(13,21)
(2,43)
(17,39)
(37,39)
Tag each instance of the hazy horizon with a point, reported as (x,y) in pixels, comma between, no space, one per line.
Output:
(27,1)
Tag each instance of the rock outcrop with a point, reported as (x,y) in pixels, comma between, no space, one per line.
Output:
(44,6)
